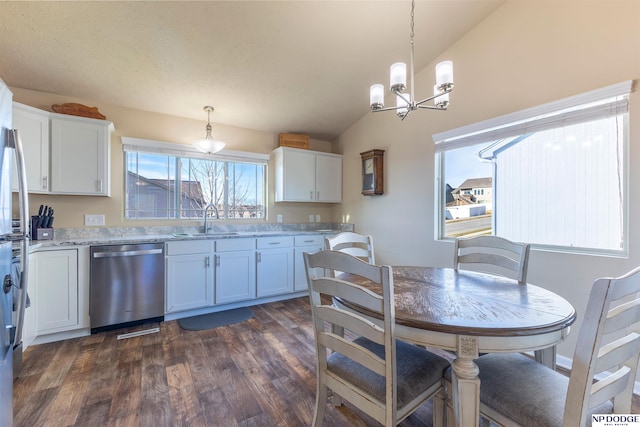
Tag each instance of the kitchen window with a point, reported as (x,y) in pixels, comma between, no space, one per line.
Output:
(556,175)
(170,181)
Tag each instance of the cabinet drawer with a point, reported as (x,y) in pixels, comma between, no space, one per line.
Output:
(275,242)
(189,247)
(309,240)
(235,245)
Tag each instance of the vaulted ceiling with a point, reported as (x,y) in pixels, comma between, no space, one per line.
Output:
(279,66)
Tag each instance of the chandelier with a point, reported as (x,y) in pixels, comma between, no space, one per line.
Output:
(406,102)
(208,144)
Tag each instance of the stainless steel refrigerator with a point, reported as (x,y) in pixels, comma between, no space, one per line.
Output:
(13,257)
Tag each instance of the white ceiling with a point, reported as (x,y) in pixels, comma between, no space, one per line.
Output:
(279,66)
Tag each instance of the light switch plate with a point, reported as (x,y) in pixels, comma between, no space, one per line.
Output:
(93,220)
(279,218)
(311,218)
(317,218)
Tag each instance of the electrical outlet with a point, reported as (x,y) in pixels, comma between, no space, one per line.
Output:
(311,218)
(93,220)
(279,218)
(317,218)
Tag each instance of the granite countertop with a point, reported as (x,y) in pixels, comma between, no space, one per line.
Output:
(123,235)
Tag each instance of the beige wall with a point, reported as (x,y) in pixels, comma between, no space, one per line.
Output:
(70,210)
(525,54)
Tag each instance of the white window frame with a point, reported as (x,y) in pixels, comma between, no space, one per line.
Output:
(576,109)
(148,146)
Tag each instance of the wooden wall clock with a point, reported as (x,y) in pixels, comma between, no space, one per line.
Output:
(372,172)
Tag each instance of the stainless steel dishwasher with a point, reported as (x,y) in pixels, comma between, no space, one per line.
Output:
(126,285)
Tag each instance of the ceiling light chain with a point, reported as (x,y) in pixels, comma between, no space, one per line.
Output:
(208,144)
(398,84)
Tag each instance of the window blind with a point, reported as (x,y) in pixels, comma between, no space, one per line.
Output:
(600,103)
(182,150)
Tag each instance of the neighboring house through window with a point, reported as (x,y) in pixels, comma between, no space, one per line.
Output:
(165,181)
(553,176)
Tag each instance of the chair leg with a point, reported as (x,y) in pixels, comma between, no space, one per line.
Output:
(321,404)
(439,407)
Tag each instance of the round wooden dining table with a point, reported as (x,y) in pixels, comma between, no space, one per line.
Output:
(469,313)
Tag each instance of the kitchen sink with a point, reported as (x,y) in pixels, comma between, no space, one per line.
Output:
(213,234)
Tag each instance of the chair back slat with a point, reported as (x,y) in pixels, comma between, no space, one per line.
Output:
(492,254)
(354,351)
(608,344)
(353,322)
(609,387)
(349,291)
(616,353)
(622,316)
(355,244)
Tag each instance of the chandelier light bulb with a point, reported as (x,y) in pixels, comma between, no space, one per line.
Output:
(402,106)
(444,75)
(441,99)
(376,96)
(398,77)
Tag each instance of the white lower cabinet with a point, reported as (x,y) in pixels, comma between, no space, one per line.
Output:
(235,270)
(275,265)
(307,243)
(189,271)
(54,292)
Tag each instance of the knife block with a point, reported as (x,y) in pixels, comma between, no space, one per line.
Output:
(40,233)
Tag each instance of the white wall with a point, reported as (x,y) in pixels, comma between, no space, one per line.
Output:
(525,54)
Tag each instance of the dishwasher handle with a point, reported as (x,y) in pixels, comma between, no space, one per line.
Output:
(126,253)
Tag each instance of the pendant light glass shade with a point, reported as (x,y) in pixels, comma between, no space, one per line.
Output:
(208,144)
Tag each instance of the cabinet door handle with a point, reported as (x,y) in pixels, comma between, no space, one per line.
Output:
(311,194)
(217,260)
(44,182)
(274,243)
(206,262)
(99,185)
(258,257)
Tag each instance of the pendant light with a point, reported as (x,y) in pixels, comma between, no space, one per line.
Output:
(208,144)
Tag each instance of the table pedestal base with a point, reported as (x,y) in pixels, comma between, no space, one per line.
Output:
(466,384)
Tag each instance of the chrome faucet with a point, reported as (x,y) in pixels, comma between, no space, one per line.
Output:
(206,208)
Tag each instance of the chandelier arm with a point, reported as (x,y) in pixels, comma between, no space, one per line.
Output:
(432,107)
(386,109)
(434,96)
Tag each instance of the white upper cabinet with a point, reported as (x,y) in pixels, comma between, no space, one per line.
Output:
(80,153)
(307,176)
(33,125)
(63,154)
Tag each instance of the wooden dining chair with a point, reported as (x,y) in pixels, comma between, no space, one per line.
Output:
(355,244)
(517,391)
(384,378)
(492,254)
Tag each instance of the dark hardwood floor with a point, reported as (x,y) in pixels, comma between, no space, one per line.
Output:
(256,373)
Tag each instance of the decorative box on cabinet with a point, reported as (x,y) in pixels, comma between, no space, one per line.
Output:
(80,155)
(307,176)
